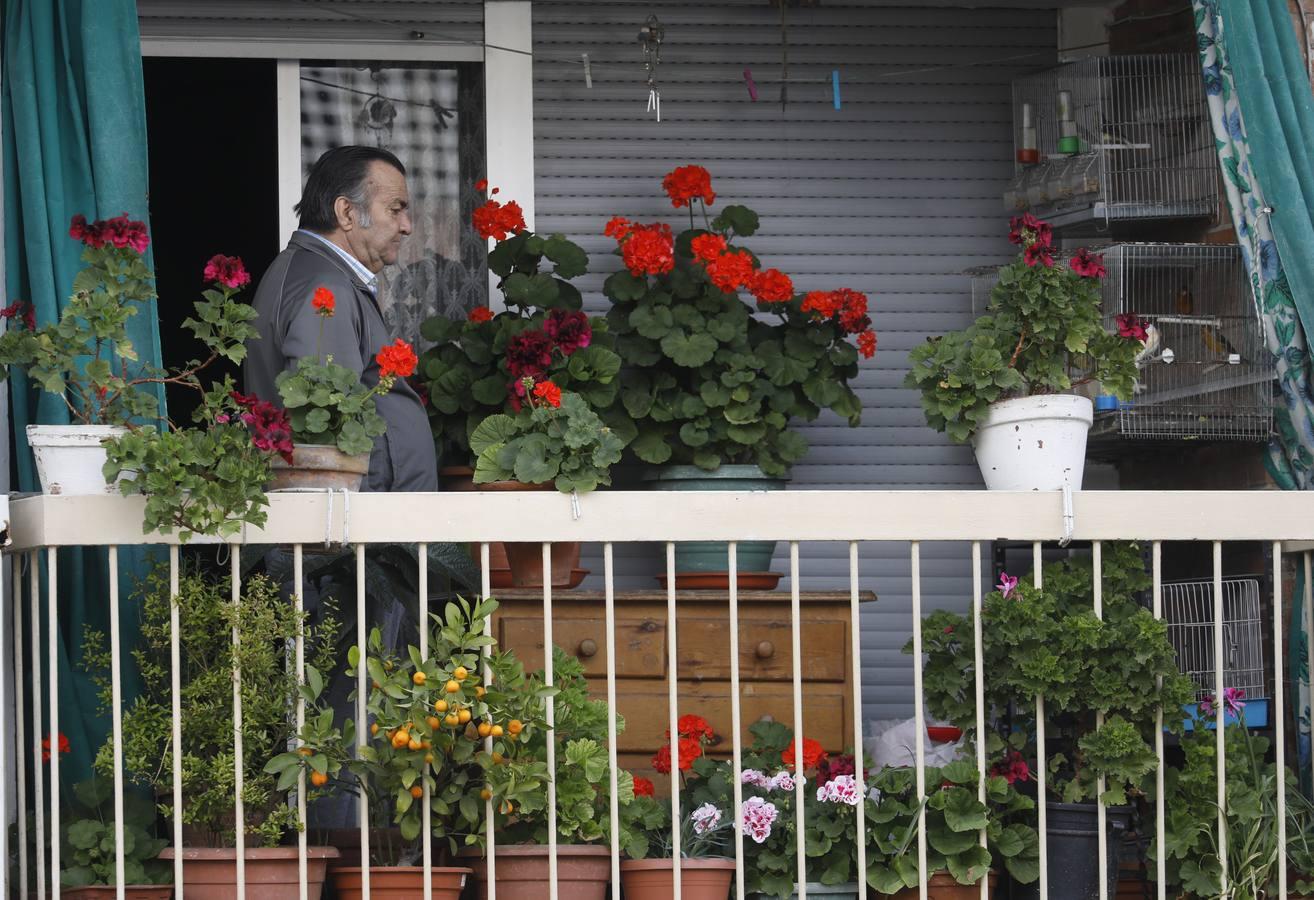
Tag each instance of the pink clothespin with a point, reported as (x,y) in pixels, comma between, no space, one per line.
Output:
(752,87)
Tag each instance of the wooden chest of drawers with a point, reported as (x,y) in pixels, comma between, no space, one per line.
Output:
(702,645)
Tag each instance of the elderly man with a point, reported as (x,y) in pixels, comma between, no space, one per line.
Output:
(354,214)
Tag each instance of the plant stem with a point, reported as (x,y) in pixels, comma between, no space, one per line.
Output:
(1012,361)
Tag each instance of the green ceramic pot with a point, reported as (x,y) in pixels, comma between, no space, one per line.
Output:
(713,556)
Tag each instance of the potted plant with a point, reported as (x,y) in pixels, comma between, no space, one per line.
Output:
(1050,642)
(707,864)
(264,622)
(555,441)
(955,816)
(476,368)
(332,412)
(583,781)
(88,846)
(87,359)
(429,718)
(1005,381)
(1191,840)
(713,381)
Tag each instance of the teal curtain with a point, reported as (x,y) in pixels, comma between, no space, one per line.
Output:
(74,142)
(1263,120)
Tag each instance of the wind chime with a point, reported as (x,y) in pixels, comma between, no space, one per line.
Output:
(650,38)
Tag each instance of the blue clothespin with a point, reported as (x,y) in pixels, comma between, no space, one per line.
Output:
(752,88)
(835,88)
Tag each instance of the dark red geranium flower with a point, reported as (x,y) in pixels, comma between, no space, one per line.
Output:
(1131,326)
(226,270)
(1087,264)
(529,353)
(569,328)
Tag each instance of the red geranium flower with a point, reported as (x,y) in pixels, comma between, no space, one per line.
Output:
(18,308)
(479,315)
(649,250)
(569,328)
(826,304)
(707,247)
(812,754)
(123,232)
(481,185)
(396,359)
(1087,264)
(694,727)
(643,787)
(1038,253)
(1027,229)
(618,227)
(64,746)
(867,344)
(323,302)
(226,270)
(772,286)
(731,270)
(498,220)
(549,393)
(688,183)
(690,750)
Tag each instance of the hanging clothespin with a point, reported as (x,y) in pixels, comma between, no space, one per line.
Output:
(588,73)
(650,37)
(575,511)
(752,87)
(835,87)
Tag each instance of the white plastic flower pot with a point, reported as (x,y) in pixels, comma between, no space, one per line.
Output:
(1034,443)
(69,458)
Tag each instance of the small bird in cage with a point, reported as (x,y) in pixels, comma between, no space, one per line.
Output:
(1184,303)
(1217,344)
(1149,353)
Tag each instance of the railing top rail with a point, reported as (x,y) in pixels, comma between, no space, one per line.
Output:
(623,516)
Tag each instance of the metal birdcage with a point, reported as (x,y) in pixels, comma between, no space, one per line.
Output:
(1188,608)
(1113,139)
(1205,371)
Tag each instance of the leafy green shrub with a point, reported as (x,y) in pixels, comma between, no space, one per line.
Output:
(265,622)
(88,849)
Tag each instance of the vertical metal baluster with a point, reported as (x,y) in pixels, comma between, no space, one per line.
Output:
(1280,715)
(673,716)
(919,717)
(736,723)
(422,581)
(5,771)
(298,596)
(38,765)
(860,768)
(1101,814)
(613,766)
(1042,825)
(1161,864)
(52,648)
(175,694)
(1219,712)
(978,666)
(553,887)
(362,726)
(486,588)
(116,712)
(796,645)
(20,729)
(239,770)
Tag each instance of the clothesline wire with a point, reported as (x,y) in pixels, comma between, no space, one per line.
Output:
(593,66)
(380,95)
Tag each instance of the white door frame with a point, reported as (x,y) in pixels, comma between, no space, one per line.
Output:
(508,94)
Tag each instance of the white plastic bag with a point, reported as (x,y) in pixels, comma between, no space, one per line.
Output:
(892,742)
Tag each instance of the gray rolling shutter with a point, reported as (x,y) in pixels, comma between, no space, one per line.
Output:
(894,194)
(359,20)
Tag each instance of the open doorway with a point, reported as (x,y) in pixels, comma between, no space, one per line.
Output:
(212,134)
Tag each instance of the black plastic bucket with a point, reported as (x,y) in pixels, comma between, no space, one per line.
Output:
(1074,865)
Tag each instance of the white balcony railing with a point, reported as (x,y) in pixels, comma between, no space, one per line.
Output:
(43,525)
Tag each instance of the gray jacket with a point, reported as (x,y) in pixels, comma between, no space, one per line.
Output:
(403,459)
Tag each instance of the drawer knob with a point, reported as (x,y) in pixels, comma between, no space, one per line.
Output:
(587,647)
(766,650)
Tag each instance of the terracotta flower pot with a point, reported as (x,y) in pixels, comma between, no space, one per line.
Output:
(525,560)
(399,882)
(943,886)
(583,871)
(654,879)
(210,873)
(461,479)
(319,466)
(109,892)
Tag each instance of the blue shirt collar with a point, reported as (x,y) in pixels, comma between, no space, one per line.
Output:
(369,279)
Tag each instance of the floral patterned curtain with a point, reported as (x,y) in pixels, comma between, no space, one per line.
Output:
(1278,101)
